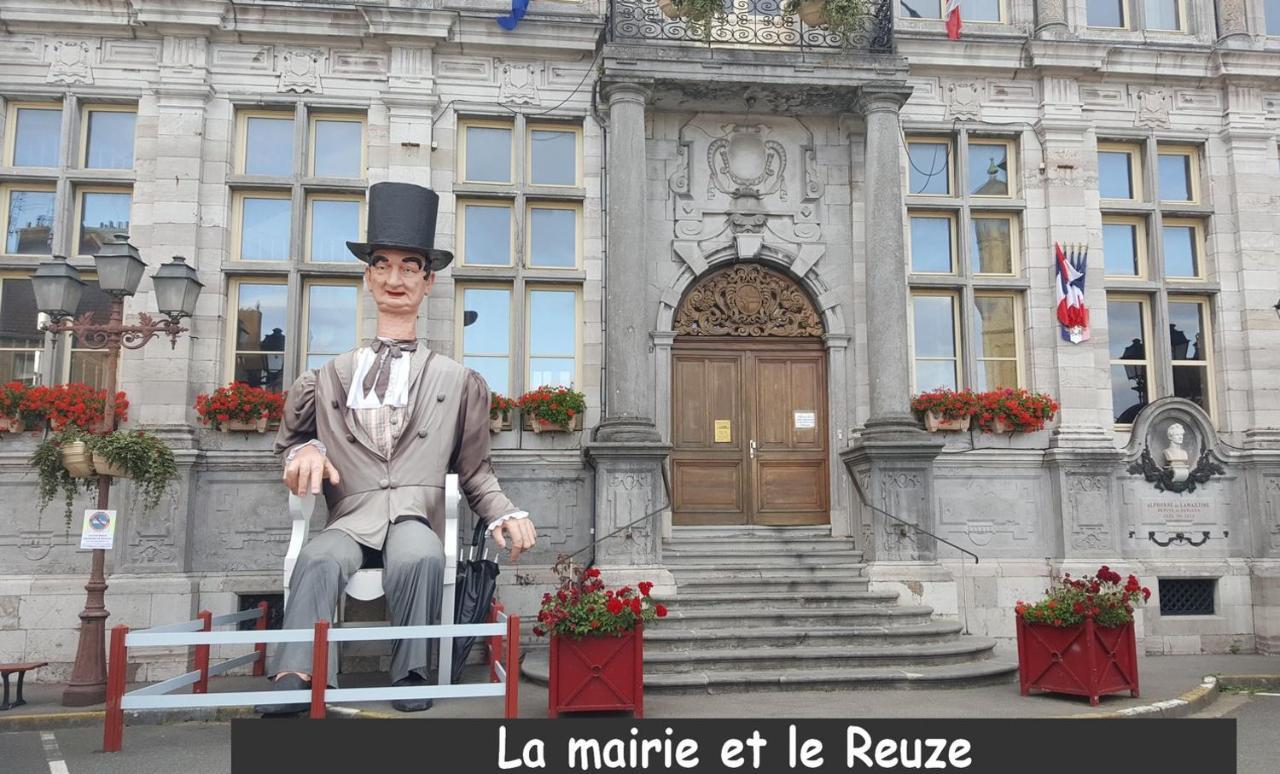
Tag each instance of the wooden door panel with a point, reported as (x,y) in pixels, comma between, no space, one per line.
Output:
(790,395)
(709,476)
(709,485)
(795,485)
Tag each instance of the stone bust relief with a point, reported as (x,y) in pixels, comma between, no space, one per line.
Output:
(1175,456)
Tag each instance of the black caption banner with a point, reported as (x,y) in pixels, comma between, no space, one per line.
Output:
(596,746)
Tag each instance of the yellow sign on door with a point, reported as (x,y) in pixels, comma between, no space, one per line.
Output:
(723,433)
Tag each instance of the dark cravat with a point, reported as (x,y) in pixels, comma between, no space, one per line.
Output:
(380,372)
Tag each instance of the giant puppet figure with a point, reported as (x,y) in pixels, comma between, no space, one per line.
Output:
(377,429)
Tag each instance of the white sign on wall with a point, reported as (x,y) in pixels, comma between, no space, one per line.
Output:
(99,529)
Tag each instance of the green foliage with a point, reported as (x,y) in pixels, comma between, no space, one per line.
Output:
(1105,597)
(53,477)
(700,11)
(582,606)
(148,460)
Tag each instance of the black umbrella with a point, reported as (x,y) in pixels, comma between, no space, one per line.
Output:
(473,596)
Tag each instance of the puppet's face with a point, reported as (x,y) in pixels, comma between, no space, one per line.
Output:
(398,280)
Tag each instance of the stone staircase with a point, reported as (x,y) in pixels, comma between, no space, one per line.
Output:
(788,608)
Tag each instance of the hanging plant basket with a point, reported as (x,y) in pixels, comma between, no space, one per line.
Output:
(77,459)
(669,9)
(935,422)
(813,12)
(106,468)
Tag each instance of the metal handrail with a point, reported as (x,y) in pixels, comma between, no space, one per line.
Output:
(964,607)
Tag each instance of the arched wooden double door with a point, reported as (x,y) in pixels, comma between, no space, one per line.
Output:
(749,403)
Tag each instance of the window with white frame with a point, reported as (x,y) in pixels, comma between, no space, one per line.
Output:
(60,202)
(519,244)
(973,10)
(964,236)
(1157,15)
(292,213)
(1154,233)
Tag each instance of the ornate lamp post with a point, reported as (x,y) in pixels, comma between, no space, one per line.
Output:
(57,287)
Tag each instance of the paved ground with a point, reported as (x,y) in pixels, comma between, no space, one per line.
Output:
(203,747)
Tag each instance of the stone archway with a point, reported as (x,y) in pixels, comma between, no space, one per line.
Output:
(749,402)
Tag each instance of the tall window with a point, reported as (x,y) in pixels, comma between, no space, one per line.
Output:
(1154,231)
(520,244)
(63,202)
(1169,15)
(976,10)
(296,288)
(965,261)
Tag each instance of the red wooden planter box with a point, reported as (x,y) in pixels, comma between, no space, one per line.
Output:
(1084,660)
(597,674)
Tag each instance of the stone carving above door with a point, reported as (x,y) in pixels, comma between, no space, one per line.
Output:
(744,164)
(747,300)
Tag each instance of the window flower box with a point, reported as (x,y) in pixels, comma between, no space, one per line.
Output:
(500,409)
(543,426)
(935,422)
(552,409)
(258,425)
(240,408)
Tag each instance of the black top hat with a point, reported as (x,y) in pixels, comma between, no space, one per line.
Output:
(402,215)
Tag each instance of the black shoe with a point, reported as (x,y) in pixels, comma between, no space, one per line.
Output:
(289,682)
(412,705)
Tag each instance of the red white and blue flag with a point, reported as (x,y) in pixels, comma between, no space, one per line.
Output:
(1073,315)
(952,14)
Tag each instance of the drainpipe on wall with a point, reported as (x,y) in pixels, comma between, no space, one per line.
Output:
(604,269)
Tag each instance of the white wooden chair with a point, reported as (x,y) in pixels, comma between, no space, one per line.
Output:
(366,585)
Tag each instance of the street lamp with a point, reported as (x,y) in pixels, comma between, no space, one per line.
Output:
(1277,309)
(57,287)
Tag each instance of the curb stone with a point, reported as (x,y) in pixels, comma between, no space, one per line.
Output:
(1188,703)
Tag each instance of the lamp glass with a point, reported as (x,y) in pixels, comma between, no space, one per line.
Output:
(177,288)
(57,286)
(119,265)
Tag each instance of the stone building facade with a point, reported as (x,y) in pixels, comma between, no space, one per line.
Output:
(639,211)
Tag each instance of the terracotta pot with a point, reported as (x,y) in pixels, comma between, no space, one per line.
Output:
(813,12)
(1083,660)
(77,460)
(542,426)
(240,426)
(935,422)
(106,468)
(669,9)
(597,674)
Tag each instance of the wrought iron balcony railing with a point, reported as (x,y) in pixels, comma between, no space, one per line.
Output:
(748,23)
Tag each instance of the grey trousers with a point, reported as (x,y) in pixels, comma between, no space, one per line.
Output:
(412,577)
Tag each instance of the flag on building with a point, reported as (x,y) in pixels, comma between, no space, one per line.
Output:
(952,15)
(518,8)
(1072,313)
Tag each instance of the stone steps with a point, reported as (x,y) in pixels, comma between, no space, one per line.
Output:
(771,658)
(749,532)
(676,559)
(984,672)
(767,597)
(777,584)
(660,637)
(751,571)
(853,615)
(744,547)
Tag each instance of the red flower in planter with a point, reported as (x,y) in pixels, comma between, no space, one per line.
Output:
(582,604)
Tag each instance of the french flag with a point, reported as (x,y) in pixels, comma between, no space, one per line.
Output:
(952,15)
(1072,313)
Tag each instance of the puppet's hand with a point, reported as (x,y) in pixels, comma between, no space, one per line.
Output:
(307,469)
(519,531)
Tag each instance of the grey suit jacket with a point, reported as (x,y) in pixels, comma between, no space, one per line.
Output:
(447,430)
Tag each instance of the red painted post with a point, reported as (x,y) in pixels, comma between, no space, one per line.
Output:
(202,655)
(495,643)
(513,667)
(260,666)
(117,666)
(637,670)
(319,669)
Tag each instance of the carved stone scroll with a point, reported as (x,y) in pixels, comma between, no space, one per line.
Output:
(747,300)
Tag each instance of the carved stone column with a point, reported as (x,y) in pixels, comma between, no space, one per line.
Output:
(891,465)
(1232,18)
(628,408)
(1051,18)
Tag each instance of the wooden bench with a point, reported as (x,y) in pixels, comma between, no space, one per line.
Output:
(21,669)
